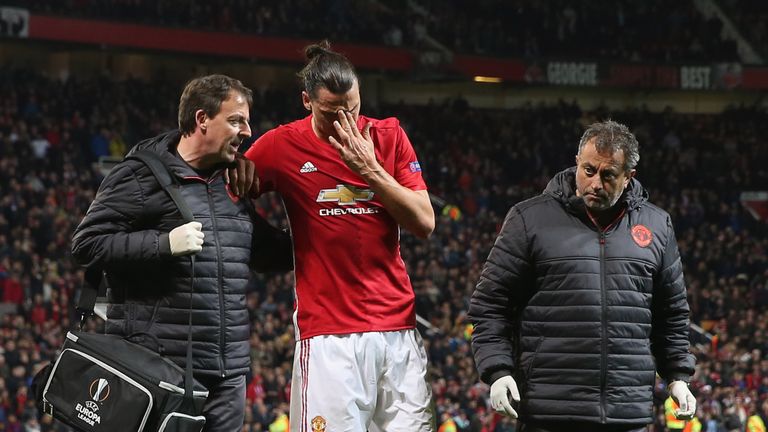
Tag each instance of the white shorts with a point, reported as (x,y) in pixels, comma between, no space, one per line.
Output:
(361,382)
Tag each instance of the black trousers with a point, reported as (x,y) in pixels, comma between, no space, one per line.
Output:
(578,427)
(224,409)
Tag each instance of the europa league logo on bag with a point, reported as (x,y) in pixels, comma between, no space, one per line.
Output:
(99,390)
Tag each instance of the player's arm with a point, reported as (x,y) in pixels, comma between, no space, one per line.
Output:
(411,209)
(258,166)
(272,248)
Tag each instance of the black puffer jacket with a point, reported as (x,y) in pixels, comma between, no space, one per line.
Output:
(583,317)
(125,232)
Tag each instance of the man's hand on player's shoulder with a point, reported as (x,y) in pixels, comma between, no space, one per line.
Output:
(241,177)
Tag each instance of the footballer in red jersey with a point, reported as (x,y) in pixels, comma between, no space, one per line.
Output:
(349,183)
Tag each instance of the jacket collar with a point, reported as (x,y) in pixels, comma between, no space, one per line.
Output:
(562,187)
(165,145)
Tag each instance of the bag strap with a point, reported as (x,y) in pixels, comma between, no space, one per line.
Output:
(171,186)
(94,274)
(167,181)
(92,286)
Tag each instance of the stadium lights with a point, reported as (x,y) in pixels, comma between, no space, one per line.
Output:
(486,79)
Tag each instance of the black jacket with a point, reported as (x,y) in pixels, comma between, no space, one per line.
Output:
(583,317)
(125,232)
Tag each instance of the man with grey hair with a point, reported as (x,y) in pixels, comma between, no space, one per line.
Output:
(582,300)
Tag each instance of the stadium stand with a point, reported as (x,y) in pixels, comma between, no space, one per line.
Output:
(617,30)
(695,166)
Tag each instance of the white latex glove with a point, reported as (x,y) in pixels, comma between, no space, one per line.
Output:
(186,239)
(684,398)
(501,390)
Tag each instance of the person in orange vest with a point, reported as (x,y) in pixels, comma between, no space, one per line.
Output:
(692,425)
(447,425)
(756,422)
(673,424)
(281,422)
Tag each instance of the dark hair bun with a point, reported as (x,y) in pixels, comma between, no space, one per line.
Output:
(315,50)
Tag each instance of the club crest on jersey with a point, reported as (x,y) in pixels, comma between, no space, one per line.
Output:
(318,424)
(345,195)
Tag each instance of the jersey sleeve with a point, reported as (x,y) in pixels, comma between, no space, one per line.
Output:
(407,166)
(262,154)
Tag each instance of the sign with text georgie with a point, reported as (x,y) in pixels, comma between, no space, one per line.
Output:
(572,73)
(722,76)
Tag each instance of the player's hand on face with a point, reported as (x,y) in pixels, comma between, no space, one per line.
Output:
(242,178)
(356,147)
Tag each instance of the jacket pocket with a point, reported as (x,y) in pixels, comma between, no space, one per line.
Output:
(529,368)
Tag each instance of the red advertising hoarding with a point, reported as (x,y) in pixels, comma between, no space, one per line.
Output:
(552,72)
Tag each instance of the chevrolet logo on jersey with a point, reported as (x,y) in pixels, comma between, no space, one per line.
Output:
(344,195)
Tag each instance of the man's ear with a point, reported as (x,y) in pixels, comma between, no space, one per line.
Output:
(201,119)
(630,174)
(306,100)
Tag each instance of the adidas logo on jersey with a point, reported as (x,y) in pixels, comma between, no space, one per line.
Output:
(307,168)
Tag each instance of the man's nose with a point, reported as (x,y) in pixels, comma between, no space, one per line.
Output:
(597,183)
(245,130)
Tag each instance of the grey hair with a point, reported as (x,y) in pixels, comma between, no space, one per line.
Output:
(613,136)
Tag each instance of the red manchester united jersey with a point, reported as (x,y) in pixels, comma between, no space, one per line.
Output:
(350,277)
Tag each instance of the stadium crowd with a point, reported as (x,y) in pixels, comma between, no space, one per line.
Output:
(616,30)
(603,29)
(482,161)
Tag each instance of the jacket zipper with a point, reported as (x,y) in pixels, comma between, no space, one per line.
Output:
(604,310)
(222,327)
(604,330)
